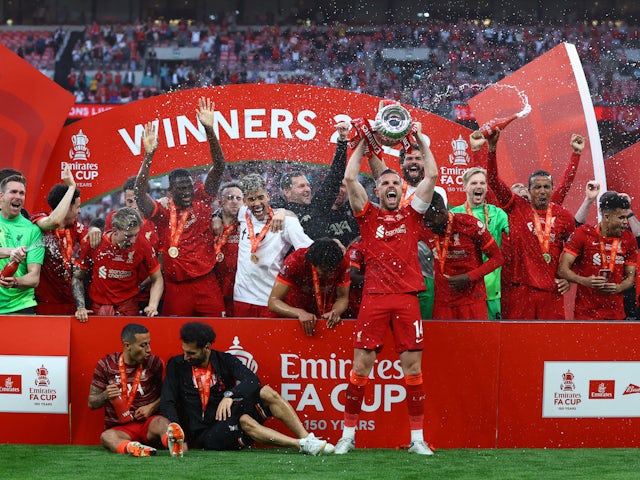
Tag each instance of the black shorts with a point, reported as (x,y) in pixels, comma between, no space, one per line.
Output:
(227,435)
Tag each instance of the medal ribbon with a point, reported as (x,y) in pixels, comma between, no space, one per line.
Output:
(255,242)
(404,201)
(128,395)
(543,239)
(202,379)
(443,249)
(321,297)
(221,240)
(603,251)
(467,207)
(176,227)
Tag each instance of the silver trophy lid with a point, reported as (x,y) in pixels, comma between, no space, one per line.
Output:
(393,121)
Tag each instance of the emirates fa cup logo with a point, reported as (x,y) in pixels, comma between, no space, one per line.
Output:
(244,356)
(459,157)
(80,151)
(567,384)
(42,380)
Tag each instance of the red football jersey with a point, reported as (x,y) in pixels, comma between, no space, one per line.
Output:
(196,241)
(524,261)
(62,247)
(225,270)
(116,273)
(469,238)
(356,261)
(296,273)
(390,247)
(584,244)
(107,371)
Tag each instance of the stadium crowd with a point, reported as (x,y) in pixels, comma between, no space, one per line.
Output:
(118,62)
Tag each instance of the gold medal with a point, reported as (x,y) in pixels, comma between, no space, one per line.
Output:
(547,257)
(220,257)
(173,252)
(254,258)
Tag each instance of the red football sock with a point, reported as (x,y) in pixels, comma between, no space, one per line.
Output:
(415,401)
(354,397)
(122,447)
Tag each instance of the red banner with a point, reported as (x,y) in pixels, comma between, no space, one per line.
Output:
(32,112)
(86,110)
(555,88)
(623,170)
(27,339)
(488,384)
(312,374)
(254,122)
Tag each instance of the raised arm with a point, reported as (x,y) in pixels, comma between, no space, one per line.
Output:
(56,218)
(561,191)
(424,191)
(377,166)
(634,223)
(330,187)
(143,199)
(477,160)
(591,193)
(500,189)
(214,177)
(357,194)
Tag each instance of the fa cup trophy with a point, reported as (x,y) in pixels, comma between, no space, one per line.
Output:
(392,124)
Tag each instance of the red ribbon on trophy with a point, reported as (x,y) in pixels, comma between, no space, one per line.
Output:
(392,125)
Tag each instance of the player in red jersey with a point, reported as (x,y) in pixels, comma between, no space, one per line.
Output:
(538,231)
(458,242)
(356,260)
(393,279)
(476,140)
(226,241)
(118,266)
(313,283)
(183,220)
(63,235)
(602,260)
(128,385)
(148,230)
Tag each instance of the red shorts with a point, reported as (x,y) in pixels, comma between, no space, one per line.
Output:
(472,311)
(526,303)
(378,312)
(241,309)
(199,297)
(137,431)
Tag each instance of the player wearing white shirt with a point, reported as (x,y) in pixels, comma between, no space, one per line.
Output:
(260,250)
